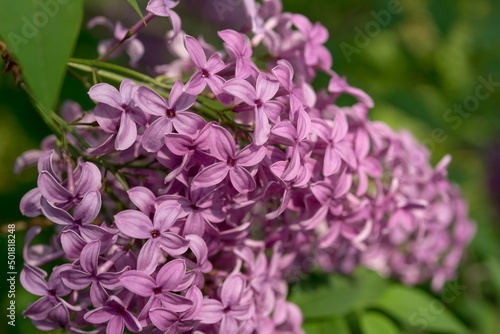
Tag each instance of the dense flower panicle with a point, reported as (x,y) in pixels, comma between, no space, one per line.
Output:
(194,207)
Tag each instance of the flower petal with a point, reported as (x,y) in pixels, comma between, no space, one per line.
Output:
(99,316)
(76,279)
(228,324)
(262,127)
(105,93)
(332,161)
(165,216)
(149,256)
(211,311)
(107,117)
(150,101)
(88,209)
(339,127)
(116,325)
(52,190)
(127,133)
(143,198)
(72,244)
(186,122)
(215,64)
(33,282)
(175,302)
(154,136)
(241,89)
(162,318)
(90,257)
(196,84)
(211,175)
(232,290)
(30,203)
(222,145)
(173,243)
(54,214)
(241,180)
(178,99)
(195,52)
(178,144)
(138,282)
(171,275)
(134,224)
(266,88)
(90,179)
(98,295)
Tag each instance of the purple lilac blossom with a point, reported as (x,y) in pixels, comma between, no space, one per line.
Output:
(203,205)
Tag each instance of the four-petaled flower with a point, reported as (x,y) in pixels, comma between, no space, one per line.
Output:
(80,279)
(172,115)
(258,97)
(136,224)
(52,291)
(117,112)
(338,146)
(207,71)
(233,307)
(159,290)
(115,313)
(232,163)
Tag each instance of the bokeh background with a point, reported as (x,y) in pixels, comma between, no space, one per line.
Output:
(421,63)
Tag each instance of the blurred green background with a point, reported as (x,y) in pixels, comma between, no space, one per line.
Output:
(426,60)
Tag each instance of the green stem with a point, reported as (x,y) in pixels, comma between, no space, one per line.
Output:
(53,120)
(131,32)
(78,77)
(116,174)
(105,74)
(120,69)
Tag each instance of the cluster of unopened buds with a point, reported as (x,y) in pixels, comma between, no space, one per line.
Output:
(199,200)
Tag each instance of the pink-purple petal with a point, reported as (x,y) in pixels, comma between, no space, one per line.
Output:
(150,101)
(211,311)
(171,274)
(127,133)
(241,89)
(105,93)
(154,136)
(138,282)
(33,282)
(232,290)
(148,256)
(134,224)
(189,123)
(107,117)
(195,51)
(88,209)
(51,189)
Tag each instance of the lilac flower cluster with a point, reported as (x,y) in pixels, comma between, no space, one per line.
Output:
(198,203)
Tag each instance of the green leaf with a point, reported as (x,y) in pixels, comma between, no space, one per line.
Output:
(376,323)
(334,299)
(134,4)
(371,287)
(493,266)
(335,325)
(419,310)
(41,36)
(339,295)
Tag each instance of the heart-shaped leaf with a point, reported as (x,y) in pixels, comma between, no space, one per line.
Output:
(41,35)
